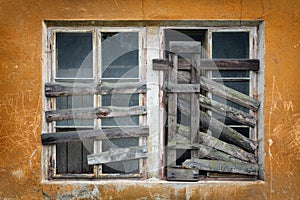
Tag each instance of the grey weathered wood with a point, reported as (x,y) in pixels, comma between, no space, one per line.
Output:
(181,174)
(69,89)
(220,130)
(120,154)
(61,158)
(99,112)
(102,134)
(222,109)
(185,47)
(226,133)
(215,143)
(214,154)
(172,109)
(87,149)
(211,64)
(228,93)
(195,74)
(222,166)
(217,89)
(228,111)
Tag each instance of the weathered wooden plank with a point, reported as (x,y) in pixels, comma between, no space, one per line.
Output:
(220,130)
(214,154)
(228,93)
(211,64)
(185,47)
(69,89)
(172,109)
(109,133)
(228,111)
(74,157)
(194,120)
(222,109)
(181,174)
(222,166)
(226,133)
(215,143)
(120,154)
(99,112)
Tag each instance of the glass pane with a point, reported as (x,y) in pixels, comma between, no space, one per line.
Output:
(120,55)
(120,100)
(74,102)
(74,55)
(230,45)
(123,167)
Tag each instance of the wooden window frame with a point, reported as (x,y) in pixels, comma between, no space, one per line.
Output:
(153,38)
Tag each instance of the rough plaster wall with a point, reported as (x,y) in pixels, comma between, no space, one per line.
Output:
(20,96)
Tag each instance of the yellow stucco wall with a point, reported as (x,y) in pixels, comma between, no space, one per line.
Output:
(21,83)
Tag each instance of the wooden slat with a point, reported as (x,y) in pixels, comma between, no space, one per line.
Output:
(120,154)
(211,64)
(215,143)
(223,109)
(226,133)
(172,110)
(222,166)
(69,89)
(110,133)
(99,112)
(228,93)
(74,157)
(194,120)
(181,174)
(217,89)
(185,47)
(214,154)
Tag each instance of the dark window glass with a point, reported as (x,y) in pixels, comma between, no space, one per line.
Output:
(74,55)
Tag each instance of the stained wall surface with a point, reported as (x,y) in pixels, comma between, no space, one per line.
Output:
(21,97)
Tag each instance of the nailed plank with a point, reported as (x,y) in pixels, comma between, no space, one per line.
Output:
(99,112)
(109,133)
(69,89)
(120,154)
(228,111)
(221,130)
(172,109)
(228,93)
(211,64)
(226,133)
(222,166)
(185,47)
(215,143)
(222,109)
(214,154)
(181,174)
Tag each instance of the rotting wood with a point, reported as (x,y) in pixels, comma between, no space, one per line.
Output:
(228,93)
(215,143)
(217,89)
(69,89)
(119,154)
(214,154)
(181,174)
(222,109)
(172,110)
(190,47)
(211,64)
(226,133)
(220,130)
(221,166)
(102,134)
(99,112)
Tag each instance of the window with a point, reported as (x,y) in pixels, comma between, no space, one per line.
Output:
(174,103)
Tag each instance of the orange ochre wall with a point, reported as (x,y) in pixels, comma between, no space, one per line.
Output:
(21,97)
